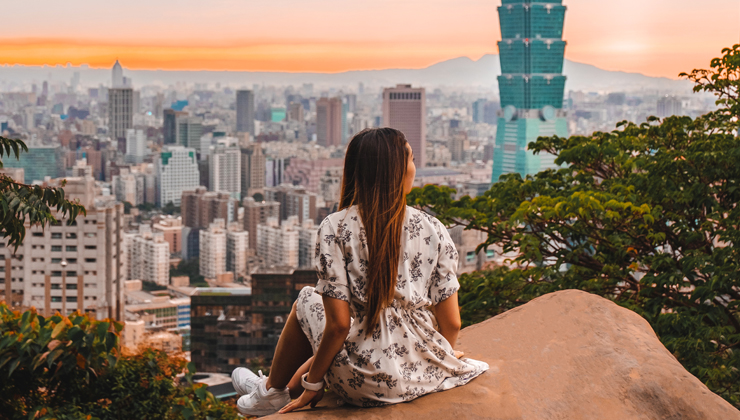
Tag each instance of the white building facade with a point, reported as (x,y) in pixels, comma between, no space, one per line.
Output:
(135,146)
(237,242)
(213,249)
(177,171)
(147,256)
(224,165)
(278,244)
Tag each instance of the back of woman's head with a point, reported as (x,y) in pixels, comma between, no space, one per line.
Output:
(374,169)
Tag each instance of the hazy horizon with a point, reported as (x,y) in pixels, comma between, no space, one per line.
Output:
(656,38)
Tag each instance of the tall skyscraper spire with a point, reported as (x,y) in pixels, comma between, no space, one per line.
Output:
(531,85)
(117,81)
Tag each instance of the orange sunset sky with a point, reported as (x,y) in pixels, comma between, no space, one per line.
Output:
(654,37)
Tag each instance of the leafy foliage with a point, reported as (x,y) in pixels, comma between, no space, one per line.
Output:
(19,202)
(191,269)
(72,368)
(646,215)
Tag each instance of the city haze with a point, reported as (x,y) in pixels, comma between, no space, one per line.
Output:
(656,38)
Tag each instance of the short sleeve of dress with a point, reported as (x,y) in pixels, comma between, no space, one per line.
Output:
(444,278)
(333,280)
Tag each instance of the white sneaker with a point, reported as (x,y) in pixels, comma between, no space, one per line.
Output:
(245,381)
(261,401)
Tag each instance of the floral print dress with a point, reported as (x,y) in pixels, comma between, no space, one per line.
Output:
(405,357)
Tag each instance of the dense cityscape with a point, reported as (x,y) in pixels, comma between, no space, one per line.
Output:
(204,199)
(229,185)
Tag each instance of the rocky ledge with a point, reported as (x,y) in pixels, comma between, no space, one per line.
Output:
(565,355)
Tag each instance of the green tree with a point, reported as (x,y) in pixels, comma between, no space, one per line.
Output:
(646,215)
(191,269)
(170,208)
(72,368)
(20,202)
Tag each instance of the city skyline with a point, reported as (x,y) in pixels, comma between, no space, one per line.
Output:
(657,38)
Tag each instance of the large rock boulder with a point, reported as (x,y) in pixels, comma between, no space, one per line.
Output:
(565,355)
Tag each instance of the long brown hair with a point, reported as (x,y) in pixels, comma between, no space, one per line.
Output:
(374,171)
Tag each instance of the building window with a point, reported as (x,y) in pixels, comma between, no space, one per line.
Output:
(56,260)
(71,248)
(71,286)
(55,248)
(71,235)
(56,298)
(91,247)
(90,234)
(490,254)
(71,274)
(56,235)
(37,234)
(90,260)
(470,256)
(56,274)
(72,260)
(55,286)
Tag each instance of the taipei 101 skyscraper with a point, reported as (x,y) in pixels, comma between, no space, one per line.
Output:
(531,85)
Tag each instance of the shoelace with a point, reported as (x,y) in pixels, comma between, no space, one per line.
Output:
(257,384)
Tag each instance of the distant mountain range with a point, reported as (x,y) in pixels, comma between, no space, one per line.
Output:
(458,72)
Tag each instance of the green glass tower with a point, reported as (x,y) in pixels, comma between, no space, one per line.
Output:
(531,85)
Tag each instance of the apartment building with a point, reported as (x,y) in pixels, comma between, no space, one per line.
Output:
(67,267)
(277,244)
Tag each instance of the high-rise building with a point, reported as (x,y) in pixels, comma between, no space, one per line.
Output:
(237,242)
(232,325)
(405,109)
(67,267)
(531,84)
(245,111)
(252,170)
(147,256)
(188,131)
(40,162)
(307,236)
(177,171)
(171,229)
(169,125)
(275,171)
(120,112)
(294,201)
(308,173)
(199,207)
(277,244)
(256,213)
(117,76)
(458,145)
(213,250)
(479,107)
(669,106)
(224,165)
(329,121)
(135,146)
(295,111)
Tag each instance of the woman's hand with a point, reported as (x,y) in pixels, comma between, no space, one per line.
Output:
(312,397)
(459,354)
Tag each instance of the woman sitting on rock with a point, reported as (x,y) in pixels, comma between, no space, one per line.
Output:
(380,324)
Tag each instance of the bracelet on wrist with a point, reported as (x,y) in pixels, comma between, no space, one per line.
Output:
(318,386)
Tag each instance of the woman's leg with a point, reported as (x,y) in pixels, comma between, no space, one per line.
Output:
(294,386)
(292,351)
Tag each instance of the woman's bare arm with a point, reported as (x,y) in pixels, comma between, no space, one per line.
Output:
(448,318)
(335,333)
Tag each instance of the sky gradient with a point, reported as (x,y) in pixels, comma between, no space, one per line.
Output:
(653,37)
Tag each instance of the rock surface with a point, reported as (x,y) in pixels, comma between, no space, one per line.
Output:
(566,355)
